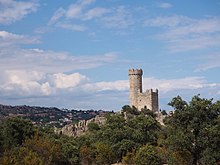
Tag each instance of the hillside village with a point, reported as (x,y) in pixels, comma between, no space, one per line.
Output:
(48,116)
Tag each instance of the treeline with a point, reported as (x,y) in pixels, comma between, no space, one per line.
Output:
(190,136)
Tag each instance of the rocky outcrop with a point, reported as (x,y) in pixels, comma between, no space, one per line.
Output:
(76,130)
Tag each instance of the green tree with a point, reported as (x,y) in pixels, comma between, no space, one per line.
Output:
(129,158)
(211,142)
(93,127)
(192,130)
(125,135)
(21,155)
(104,154)
(45,148)
(145,129)
(147,155)
(121,136)
(69,151)
(14,131)
(34,151)
(163,112)
(148,112)
(86,155)
(130,110)
(115,121)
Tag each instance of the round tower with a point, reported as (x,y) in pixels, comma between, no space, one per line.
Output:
(135,80)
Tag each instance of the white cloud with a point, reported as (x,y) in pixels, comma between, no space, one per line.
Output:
(21,76)
(46,61)
(49,61)
(166,85)
(33,83)
(61,80)
(195,27)
(182,25)
(31,76)
(184,33)
(31,79)
(120,85)
(42,30)
(168,21)
(57,15)
(36,77)
(209,61)
(75,16)
(95,12)
(119,18)
(165,5)
(24,83)
(8,39)
(185,87)
(86,2)
(77,91)
(12,10)
(194,43)
(21,83)
(73,27)
(75,10)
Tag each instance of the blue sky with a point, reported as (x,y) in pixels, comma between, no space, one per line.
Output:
(76,54)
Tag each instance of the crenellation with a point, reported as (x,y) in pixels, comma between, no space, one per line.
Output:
(135,72)
(148,91)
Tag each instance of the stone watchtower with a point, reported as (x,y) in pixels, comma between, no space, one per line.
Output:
(135,79)
(139,99)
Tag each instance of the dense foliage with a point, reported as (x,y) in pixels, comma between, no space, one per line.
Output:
(119,137)
(189,136)
(192,133)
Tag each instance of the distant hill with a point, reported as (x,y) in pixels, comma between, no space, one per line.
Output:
(50,116)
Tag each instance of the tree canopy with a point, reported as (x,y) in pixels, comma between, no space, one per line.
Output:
(191,135)
(193,131)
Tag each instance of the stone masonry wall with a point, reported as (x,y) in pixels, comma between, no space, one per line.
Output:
(135,79)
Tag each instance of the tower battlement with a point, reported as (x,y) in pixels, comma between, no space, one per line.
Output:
(152,91)
(148,99)
(135,72)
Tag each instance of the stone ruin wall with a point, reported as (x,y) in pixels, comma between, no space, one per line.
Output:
(76,130)
(144,101)
(149,100)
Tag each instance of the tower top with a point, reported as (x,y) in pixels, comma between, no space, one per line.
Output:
(135,72)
